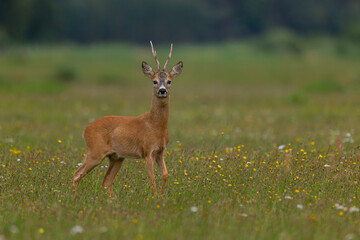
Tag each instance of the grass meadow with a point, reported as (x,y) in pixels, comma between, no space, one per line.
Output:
(263,144)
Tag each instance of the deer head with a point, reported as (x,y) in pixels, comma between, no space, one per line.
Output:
(162,79)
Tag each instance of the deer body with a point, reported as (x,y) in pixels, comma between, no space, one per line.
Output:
(130,137)
(120,137)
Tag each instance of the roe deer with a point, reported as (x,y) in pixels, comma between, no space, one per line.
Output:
(145,136)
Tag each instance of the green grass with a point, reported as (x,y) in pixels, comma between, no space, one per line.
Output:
(231,110)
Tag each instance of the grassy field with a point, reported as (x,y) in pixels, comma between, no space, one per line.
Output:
(263,145)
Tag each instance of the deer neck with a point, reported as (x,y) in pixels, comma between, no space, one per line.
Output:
(159,112)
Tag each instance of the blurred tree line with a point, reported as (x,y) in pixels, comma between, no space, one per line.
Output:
(177,20)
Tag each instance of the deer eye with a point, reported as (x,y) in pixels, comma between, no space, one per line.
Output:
(155,82)
(168,82)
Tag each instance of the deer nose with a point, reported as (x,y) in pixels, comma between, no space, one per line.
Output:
(162,90)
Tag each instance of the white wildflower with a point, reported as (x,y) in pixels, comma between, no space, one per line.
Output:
(349,236)
(326,165)
(348,138)
(288,197)
(300,206)
(76,229)
(243,215)
(340,207)
(194,209)
(10,140)
(281,147)
(354,209)
(14,229)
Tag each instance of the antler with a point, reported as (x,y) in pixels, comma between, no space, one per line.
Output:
(167,61)
(154,54)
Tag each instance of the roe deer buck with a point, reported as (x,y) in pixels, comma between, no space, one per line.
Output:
(145,136)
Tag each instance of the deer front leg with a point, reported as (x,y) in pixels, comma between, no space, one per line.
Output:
(150,171)
(161,163)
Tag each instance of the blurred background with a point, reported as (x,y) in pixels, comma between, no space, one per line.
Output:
(88,21)
(254,67)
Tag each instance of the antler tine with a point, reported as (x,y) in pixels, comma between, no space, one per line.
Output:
(167,61)
(154,54)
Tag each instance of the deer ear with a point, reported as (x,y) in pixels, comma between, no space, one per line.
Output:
(177,69)
(147,70)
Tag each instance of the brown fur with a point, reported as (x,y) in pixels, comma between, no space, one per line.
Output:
(120,137)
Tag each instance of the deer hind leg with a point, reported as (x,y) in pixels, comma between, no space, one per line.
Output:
(150,171)
(161,163)
(114,167)
(92,159)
